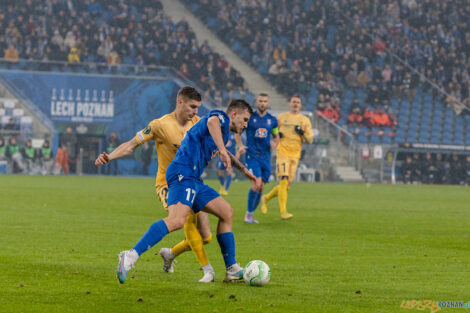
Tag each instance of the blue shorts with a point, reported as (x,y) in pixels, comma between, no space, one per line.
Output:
(190,191)
(221,166)
(259,168)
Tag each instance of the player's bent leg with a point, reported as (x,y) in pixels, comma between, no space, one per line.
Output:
(222,209)
(204,227)
(195,240)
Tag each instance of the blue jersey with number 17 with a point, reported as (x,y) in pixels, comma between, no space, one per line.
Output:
(258,135)
(198,147)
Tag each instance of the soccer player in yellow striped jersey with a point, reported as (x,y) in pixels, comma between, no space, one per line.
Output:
(294,129)
(168,132)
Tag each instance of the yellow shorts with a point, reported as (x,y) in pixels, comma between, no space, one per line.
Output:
(162,192)
(286,166)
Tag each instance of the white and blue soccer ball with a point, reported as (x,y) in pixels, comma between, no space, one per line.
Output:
(257,273)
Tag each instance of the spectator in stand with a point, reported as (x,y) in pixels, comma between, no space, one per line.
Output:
(392,118)
(408,171)
(11,125)
(416,161)
(46,158)
(429,170)
(330,113)
(11,54)
(373,94)
(62,161)
(440,169)
(456,171)
(29,155)
(113,59)
(355,119)
(74,56)
(368,119)
(14,155)
(381,119)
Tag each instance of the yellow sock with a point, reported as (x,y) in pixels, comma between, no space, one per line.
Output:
(195,240)
(273,193)
(180,247)
(207,240)
(283,195)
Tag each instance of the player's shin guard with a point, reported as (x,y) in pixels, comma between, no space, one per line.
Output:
(195,240)
(272,194)
(154,234)
(227,247)
(283,195)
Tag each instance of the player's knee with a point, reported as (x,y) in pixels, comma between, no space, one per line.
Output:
(207,240)
(227,213)
(175,223)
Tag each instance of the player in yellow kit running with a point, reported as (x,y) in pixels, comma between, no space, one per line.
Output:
(168,132)
(294,128)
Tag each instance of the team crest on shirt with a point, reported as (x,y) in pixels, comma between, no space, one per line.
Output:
(261,133)
(147,130)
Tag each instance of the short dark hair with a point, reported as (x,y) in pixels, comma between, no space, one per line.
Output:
(295,96)
(188,92)
(263,94)
(239,105)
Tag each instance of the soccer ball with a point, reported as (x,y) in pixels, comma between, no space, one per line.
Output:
(257,273)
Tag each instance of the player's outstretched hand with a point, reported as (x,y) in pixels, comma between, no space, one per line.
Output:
(103,158)
(299,130)
(224,157)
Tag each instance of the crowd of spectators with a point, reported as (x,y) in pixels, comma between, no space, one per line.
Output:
(310,45)
(431,36)
(427,168)
(111,32)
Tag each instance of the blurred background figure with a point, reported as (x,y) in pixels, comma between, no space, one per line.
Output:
(113,142)
(46,158)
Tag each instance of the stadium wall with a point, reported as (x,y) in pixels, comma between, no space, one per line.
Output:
(95,105)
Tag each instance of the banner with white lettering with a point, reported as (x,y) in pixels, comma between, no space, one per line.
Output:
(124,104)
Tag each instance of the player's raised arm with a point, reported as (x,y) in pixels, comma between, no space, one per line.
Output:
(213,124)
(121,151)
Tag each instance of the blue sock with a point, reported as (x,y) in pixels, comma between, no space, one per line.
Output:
(228,181)
(257,200)
(227,247)
(221,179)
(154,234)
(251,201)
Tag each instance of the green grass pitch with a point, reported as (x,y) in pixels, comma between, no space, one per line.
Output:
(349,248)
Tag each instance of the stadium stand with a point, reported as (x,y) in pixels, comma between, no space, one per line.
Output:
(341,52)
(111,33)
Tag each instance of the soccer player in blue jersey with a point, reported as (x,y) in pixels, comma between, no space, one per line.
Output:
(261,127)
(225,180)
(187,191)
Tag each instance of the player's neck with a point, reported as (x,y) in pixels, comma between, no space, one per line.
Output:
(181,120)
(261,114)
(294,113)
